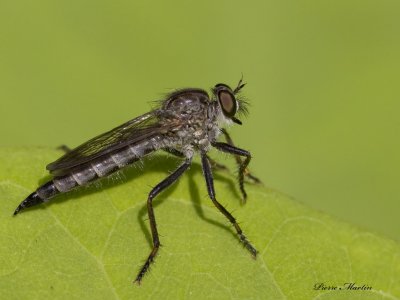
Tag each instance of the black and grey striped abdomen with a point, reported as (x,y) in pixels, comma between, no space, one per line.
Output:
(98,168)
(91,171)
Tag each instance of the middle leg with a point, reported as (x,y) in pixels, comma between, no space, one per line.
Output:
(211,192)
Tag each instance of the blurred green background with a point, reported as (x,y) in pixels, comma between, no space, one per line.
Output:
(323,82)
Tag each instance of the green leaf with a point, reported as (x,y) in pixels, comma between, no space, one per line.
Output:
(91,243)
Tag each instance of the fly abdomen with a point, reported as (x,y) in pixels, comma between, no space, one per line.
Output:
(65,183)
(101,167)
(105,166)
(47,190)
(86,174)
(114,161)
(42,194)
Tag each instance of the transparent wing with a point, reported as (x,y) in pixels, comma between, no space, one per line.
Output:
(134,131)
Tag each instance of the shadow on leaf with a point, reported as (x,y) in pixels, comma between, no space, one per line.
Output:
(156,164)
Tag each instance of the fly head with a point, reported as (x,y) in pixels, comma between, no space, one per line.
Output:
(228,102)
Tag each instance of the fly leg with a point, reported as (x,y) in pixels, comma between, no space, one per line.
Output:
(64,148)
(238,159)
(224,147)
(211,192)
(216,165)
(154,192)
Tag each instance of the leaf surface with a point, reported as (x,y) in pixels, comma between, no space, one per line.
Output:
(89,244)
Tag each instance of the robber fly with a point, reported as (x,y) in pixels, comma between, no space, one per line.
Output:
(188,121)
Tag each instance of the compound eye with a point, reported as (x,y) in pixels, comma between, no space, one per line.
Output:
(227,102)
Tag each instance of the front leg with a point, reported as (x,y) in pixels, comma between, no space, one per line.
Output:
(211,193)
(224,147)
(238,159)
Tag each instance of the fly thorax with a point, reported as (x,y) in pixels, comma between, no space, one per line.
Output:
(188,151)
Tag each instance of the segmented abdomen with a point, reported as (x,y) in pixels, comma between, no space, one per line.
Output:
(93,170)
